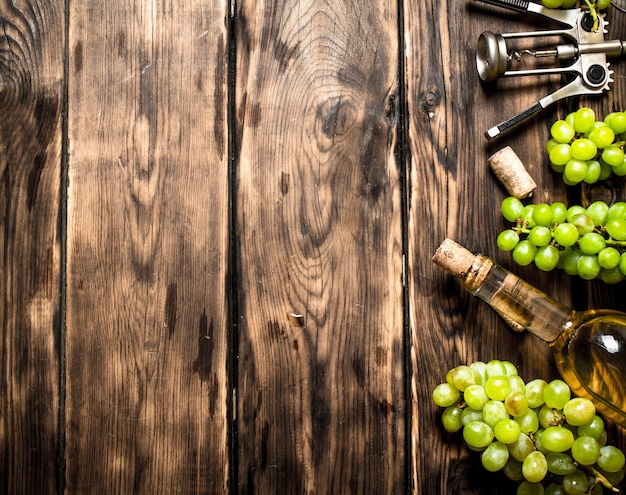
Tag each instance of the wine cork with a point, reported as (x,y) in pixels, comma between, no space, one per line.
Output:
(512,173)
(454,258)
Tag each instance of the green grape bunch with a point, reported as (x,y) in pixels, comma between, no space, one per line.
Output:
(586,242)
(535,432)
(594,6)
(584,149)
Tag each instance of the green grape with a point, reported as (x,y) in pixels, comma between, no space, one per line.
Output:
(573,211)
(546,258)
(601,4)
(594,172)
(475,396)
(521,447)
(585,450)
(528,421)
(526,487)
(498,387)
(451,419)
(494,412)
(591,243)
(551,143)
(560,463)
(508,239)
(510,368)
(566,234)
(570,262)
(554,489)
(534,392)
(616,120)
(575,171)
(588,267)
(461,377)
(620,170)
(557,439)
(613,156)
(517,383)
(614,478)
(616,228)
(576,483)
(583,222)
(480,372)
(562,131)
(516,403)
(511,208)
(593,428)
(599,212)
(507,431)
(446,394)
(513,470)
(539,236)
(611,275)
(605,170)
(560,154)
(559,212)
(617,210)
(535,467)
(611,459)
(584,118)
(622,263)
(579,411)
(556,394)
(477,434)
(542,214)
(583,149)
(470,414)
(552,4)
(602,136)
(495,457)
(549,416)
(527,216)
(495,367)
(524,253)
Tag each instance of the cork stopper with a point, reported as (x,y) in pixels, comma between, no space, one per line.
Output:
(510,170)
(454,258)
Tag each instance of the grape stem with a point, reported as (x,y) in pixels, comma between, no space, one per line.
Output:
(601,478)
(594,14)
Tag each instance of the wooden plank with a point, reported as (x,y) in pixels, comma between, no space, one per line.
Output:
(147,322)
(452,190)
(320,398)
(31,105)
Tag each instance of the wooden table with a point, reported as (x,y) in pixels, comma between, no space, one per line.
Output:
(217,228)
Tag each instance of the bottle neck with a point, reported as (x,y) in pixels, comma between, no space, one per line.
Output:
(517,301)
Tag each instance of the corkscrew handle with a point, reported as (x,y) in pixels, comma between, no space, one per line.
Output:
(516,119)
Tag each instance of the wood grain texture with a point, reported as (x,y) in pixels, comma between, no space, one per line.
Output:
(452,190)
(31,71)
(320,399)
(147,248)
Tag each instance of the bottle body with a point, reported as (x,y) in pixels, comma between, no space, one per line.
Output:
(591,357)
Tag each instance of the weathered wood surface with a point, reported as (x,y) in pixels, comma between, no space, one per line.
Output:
(217,224)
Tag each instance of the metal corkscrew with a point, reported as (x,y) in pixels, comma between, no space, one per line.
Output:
(584,46)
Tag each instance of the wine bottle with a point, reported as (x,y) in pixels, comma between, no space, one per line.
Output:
(589,346)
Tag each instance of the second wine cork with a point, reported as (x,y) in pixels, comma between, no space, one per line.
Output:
(512,173)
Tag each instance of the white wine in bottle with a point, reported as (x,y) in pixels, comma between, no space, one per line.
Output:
(589,346)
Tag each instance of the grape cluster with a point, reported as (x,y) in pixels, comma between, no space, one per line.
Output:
(534,432)
(593,6)
(584,149)
(588,242)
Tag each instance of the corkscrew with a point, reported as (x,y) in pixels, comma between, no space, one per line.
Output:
(584,48)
